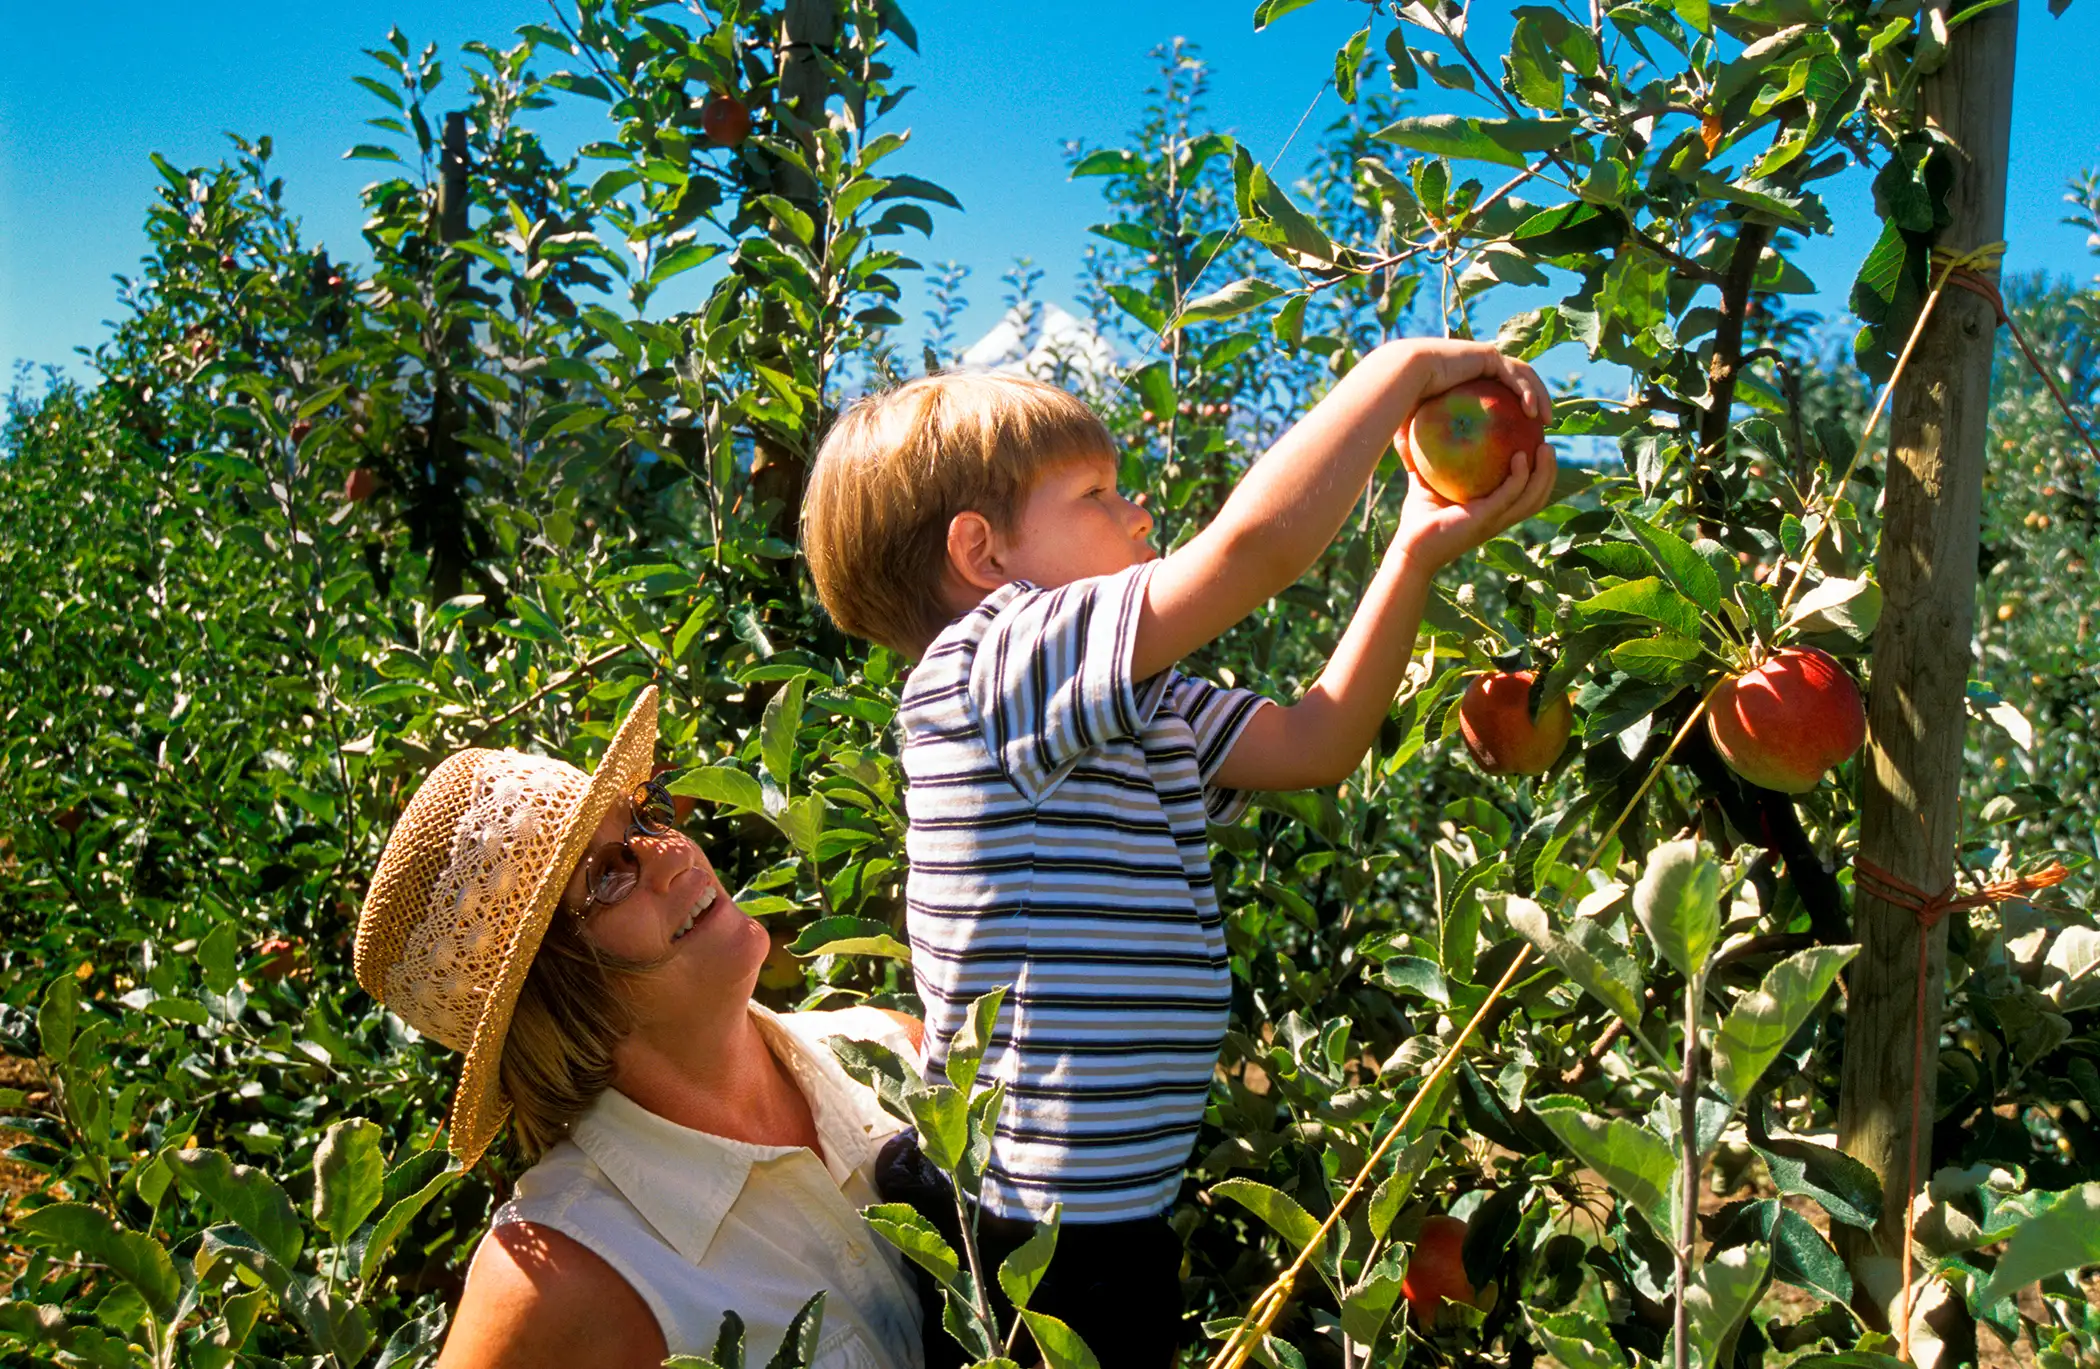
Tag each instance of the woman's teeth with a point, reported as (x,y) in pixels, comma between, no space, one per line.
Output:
(699,909)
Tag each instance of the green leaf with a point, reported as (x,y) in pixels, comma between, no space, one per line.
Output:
(942,1115)
(902,1226)
(1633,1160)
(1763,1022)
(1060,1344)
(349,1177)
(336,1325)
(1348,62)
(1388,1198)
(137,1259)
(777,731)
(1269,11)
(1230,302)
(1580,1342)
(798,1346)
(848,935)
(1800,1255)
(1678,901)
(377,1240)
(2063,1236)
(1647,598)
(882,1070)
(1687,569)
(967,1047)
(57,1017)
(1501,141)
(218,958)
(1109,161)
(1020,1272)
(247,1197)
(1369,1304)
(1843,1187)
(723,784)
(681,259)
(1586,955)
(1534,69)
(1728,1287)
(1279,1209)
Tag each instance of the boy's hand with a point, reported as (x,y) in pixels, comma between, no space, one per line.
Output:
(1435,532)
(1440,364)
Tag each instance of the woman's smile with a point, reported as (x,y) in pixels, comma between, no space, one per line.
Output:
(709,897)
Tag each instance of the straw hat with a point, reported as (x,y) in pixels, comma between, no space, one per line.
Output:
(464,891)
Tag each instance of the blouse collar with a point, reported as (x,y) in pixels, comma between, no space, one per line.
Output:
(683,1181)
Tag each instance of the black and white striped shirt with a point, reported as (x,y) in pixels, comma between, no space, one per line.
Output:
(1057,844)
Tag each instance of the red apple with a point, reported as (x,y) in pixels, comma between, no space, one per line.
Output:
(299,431)
(1783,724)
(282,957)
(360,484)
(1495,718)
(726,121)
(1436,1272)
(1464,438)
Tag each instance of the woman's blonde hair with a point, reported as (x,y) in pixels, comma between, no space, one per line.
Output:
(898,466)
(571,1013)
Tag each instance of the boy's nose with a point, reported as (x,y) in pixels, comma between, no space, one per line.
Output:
(1141,518)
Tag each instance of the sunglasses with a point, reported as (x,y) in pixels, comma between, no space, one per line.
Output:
(619,872)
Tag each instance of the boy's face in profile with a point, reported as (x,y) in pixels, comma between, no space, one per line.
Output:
(1075,525)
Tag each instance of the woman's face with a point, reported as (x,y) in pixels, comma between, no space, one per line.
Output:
(678,916)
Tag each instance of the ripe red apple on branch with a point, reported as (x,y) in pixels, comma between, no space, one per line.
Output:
(1783,724)
(1495,719)
(1462,440)
(1436,1272)
(360,483)
(726,121)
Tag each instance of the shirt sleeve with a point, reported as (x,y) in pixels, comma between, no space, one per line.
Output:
(1051,677)
(1216,716)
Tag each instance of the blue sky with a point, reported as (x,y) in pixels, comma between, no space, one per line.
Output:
(93,86)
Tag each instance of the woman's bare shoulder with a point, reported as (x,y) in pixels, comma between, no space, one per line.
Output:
(535,1297)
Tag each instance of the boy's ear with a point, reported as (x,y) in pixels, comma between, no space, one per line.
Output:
(973,552)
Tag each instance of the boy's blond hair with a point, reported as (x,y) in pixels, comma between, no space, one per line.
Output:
(898,467)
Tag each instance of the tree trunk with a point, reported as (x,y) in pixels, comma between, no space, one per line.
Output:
(1910,816)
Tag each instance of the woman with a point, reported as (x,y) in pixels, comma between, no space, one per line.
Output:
(696,1153)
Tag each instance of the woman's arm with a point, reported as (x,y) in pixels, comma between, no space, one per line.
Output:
(536,1299)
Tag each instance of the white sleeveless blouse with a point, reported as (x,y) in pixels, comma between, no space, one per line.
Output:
(700,1224)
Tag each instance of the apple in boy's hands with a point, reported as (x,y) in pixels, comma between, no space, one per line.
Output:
(1462,440)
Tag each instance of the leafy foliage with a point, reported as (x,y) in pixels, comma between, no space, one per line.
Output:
(312,527)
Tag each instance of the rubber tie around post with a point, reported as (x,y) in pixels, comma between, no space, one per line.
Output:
(1976,272)
(1929,910)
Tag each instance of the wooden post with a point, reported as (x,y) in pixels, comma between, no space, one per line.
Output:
(1910,815)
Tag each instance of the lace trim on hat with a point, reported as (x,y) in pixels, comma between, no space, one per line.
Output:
(503,843)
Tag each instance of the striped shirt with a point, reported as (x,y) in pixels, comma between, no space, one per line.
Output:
(1057,812)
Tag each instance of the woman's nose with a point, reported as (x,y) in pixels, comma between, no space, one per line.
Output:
(665,858)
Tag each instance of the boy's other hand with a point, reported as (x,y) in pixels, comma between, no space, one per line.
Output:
(1434,531)
(1445,363)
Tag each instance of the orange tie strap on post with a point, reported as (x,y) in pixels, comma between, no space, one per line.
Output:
(1929,909)
(1971,277)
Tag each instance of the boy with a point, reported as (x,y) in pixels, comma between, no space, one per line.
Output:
(1061,771)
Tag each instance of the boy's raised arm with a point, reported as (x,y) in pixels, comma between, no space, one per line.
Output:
(1292,502)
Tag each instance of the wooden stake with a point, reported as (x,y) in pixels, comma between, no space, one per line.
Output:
(1910,817)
